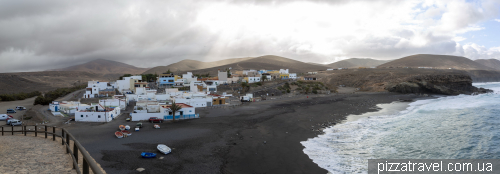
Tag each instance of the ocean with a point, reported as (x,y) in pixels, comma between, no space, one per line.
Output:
(447,127)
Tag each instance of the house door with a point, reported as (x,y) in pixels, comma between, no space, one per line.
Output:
(220,102)
(96,108)
(55,109)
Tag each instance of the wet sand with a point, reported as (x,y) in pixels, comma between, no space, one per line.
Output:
(259,137)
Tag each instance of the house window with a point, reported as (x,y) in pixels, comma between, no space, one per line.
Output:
(87,115)
(169,113)
(98,116)
(82,116)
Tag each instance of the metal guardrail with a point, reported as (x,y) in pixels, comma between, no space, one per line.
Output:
(87,162)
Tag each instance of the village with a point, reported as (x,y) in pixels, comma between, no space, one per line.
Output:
(105,101)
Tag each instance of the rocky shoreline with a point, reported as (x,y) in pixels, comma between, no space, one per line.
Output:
(437,84)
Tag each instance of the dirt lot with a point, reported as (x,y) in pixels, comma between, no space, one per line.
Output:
(28,103)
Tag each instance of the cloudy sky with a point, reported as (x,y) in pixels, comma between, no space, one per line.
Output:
(38,35)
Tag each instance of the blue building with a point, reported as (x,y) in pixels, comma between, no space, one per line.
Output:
(166,80)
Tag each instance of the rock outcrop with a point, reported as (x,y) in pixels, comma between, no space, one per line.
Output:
(453,84)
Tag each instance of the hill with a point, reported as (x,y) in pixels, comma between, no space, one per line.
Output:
(47,80)
(268,62)
(435,61)
(102,66)
(189,65)
(492,63)
(357,62)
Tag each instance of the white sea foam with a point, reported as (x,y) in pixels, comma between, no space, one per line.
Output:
(461,126)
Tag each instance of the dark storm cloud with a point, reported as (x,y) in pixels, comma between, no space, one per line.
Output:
(40,35)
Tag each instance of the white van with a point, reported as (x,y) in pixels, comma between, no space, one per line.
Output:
(20,108)
(16,123)
(4,116)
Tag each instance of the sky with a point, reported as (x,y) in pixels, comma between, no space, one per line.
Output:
(39,35)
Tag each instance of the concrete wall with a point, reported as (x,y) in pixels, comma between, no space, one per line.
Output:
(145,116)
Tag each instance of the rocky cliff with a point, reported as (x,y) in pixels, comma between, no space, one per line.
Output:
(406,80)
(448,84)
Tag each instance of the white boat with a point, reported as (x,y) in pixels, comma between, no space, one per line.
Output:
(164,149)
(127,127)
(156,126)
(118,134)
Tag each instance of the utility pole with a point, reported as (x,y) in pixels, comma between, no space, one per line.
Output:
(105,116)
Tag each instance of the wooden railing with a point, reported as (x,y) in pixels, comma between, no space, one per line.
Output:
(87,162)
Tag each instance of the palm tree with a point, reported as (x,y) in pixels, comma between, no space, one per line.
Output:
(174,108)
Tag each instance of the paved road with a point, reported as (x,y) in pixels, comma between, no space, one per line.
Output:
(57,120)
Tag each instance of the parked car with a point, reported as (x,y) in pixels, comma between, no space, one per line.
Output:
(11,111)
(11,120)
(155,119)
(16,123)
(5,117)
(20,108)
(139,125)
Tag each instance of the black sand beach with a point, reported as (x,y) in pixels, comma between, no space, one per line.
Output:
(259,137)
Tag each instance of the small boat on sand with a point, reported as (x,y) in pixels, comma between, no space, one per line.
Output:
(128,119)
(121,127)
(127,127)
(157,126)
(118,134)
(126,132)
(164,149)
(148,155)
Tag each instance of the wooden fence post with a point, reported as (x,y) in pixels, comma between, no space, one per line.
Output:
(24,130)
(45,131)
(54,133)
(12,130)
(85,167)
(62,136)
(67,142)
(2,130)
(75,153)
(36,131)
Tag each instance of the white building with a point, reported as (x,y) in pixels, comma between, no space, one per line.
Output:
(211,85)
(195,100)
(292,75)
(164,112)
(114,103)
(127,83)
(196,86)
(222,77)
(252,79)
(70,107)
(97,113)
(251,70)
(283,71)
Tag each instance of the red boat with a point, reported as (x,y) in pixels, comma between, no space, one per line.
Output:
(118,134)
(125,132)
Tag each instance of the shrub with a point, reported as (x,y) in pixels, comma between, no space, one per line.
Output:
(315,92)
(19,96)
(53,95)
(287,90)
